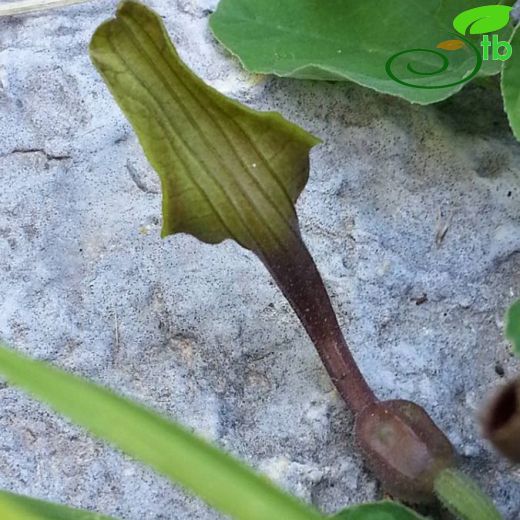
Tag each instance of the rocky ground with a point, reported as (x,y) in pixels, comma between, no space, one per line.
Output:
(412,214)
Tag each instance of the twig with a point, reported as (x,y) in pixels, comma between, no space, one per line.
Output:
(442,228)
(117,347)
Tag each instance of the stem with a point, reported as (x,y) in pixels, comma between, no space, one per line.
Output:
(29,6)
(463,497)
(298,278)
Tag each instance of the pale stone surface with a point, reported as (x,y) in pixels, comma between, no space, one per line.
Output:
(200,332)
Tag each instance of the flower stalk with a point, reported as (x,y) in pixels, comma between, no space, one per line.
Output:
(299,280)
(401,444)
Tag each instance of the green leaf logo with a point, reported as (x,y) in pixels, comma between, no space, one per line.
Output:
(481,20)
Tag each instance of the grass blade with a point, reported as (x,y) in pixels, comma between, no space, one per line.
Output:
(18,507)
(31,6)
(221,481)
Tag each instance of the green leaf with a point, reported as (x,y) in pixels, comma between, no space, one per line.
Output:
(356,41)
(226,171)
(385,510)
(17,507)
(511,85)
(224,483)
(480,20)
(513,325)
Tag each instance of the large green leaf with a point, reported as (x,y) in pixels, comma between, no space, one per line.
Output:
(511,85)
(385,510)
(226,171)
(356,41)
(222,481)
(513,325)
(17,507)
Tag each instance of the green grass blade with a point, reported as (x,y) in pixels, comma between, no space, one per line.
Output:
(30,6)
(17,507)
(513,325)
(463,497)
(221,481)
